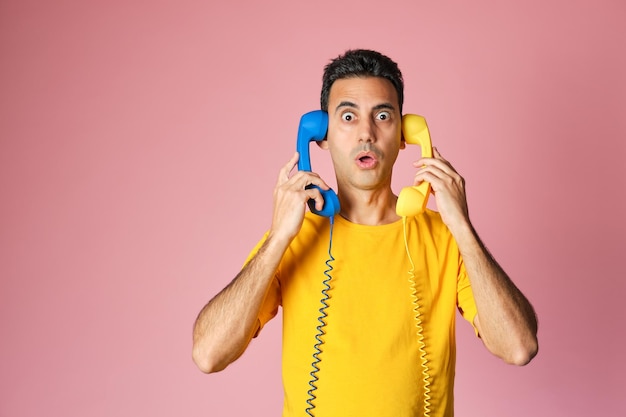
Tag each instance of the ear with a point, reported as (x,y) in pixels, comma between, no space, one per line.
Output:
(322,143)
(402,141)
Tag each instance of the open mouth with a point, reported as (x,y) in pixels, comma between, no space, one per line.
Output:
(366,160)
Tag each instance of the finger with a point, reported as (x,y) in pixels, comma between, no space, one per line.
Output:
(437,162)
(438,156)
(301,179)
(441,180)
(426,176)
(432,171)
(437,175)
(283,175)
(316,195)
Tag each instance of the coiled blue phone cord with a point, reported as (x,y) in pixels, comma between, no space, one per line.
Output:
(320,327)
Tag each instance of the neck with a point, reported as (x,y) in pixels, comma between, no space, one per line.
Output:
(371,208)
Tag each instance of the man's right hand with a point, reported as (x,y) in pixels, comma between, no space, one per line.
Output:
(291,197)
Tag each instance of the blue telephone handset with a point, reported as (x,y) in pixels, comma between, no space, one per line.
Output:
(313,127)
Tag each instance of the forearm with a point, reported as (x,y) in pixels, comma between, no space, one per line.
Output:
(506,320)
(227,323)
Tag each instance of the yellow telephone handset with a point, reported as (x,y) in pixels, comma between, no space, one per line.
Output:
(412,200)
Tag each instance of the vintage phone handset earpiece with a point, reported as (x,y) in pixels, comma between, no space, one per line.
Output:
(313,127)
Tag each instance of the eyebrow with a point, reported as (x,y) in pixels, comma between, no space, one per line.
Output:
(380,106)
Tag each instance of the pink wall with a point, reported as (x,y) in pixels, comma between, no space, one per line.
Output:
(139,143)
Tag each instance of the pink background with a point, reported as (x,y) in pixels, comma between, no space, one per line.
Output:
(140,142)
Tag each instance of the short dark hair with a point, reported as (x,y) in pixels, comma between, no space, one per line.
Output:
(361,63)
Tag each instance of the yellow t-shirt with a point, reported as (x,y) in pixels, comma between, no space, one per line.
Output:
(371,361)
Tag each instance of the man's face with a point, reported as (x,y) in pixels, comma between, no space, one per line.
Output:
(364,132)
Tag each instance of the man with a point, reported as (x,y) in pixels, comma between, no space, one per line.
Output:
(369,299)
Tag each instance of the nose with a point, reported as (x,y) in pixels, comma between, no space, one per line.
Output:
(367,130)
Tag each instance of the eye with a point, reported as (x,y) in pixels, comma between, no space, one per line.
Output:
(383,115)
(347,116)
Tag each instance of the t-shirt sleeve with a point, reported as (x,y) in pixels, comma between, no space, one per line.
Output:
(465,296)
(269,307)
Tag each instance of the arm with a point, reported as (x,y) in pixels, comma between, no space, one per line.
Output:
(506,320)
(226,324)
